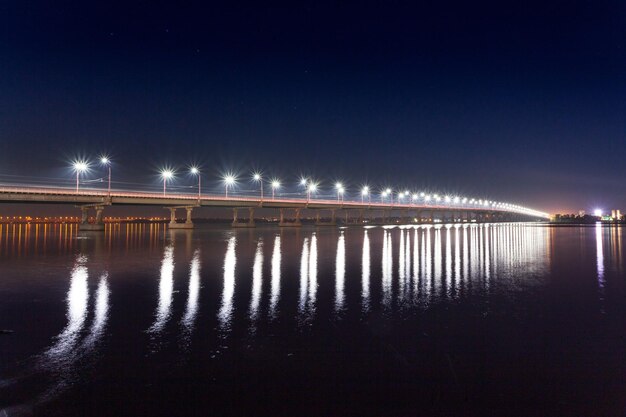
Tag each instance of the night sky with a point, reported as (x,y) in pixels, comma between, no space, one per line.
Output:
(522,102)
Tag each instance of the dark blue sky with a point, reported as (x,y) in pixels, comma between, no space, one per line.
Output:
(522,102)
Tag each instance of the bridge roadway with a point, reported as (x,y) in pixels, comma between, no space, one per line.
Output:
(87,199)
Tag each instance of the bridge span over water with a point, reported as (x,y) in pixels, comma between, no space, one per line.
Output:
(289,210)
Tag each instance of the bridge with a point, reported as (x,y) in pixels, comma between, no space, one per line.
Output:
(289,210)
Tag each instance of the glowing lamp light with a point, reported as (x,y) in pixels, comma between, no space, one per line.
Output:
(105,161)
(80,166)
(597,212)
(365,191)
(167,174)
(194,170)
(229,180)
(275,184)
(257,177)
(312,187)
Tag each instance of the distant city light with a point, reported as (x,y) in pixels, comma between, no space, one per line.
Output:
(597,212)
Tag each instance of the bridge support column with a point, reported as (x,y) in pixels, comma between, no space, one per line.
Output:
(174,224)
(332,222)
(84,218)
(249,224)
(285,223)
(97,225)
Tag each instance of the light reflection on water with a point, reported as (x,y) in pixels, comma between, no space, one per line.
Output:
(77,303)
(166,289)
(313,277)
(226,310)
(275,290)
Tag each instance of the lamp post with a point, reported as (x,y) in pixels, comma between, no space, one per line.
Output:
(80,167)
(365,192)
(339,187)
(107,162)
(257,177)
(166,174)
(196,171)
(275,185)
(311,188)
(229,180)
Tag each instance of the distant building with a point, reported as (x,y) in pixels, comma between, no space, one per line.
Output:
(581,213)
(616,215)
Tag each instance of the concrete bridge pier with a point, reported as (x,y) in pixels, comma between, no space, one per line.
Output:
(332,222)
(188,224)
(249,224)
(286,223)
(97,225)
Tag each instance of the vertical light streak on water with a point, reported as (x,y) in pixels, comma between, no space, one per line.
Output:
(457,258)
(225,313)
(77,301)
(481,249)
(365,273)
(340,273)
(387,265)
(193,292)
(407,258)
(428,263)
(166,289)
(304,276)
(620,260)
(312,276)
(416,265)
(473,255)
(101,313)
(401,269)
(448,267)
(257,281)
(275,288)
(439,286)
(600,263)
(466,231)
(487,254)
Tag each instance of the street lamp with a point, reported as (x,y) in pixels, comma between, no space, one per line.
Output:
(311,189)
(107,162)
(388,191)
(80,167)
(257,177)
(196,171)
(339,187)
(382,196)
(275,186)
(229,181)
(166,174)
(365,192)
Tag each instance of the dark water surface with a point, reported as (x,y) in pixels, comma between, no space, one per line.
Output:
(475,320)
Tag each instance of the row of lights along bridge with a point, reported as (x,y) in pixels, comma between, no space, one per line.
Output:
(310,186)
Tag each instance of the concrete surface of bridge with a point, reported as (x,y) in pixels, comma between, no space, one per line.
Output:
(289,209)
